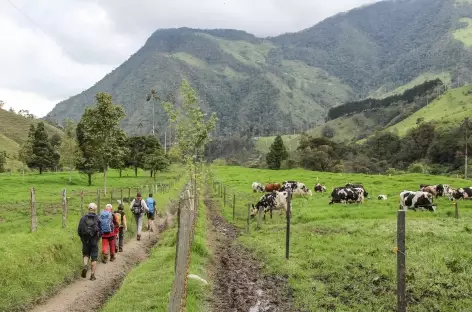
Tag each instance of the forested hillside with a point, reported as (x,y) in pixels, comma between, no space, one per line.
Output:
(286,84)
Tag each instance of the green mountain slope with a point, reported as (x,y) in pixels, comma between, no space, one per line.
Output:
(287,83)
(14,130)
(448,111)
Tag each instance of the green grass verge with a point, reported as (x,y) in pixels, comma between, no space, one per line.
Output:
(33,265)
(342,256)
(156,275)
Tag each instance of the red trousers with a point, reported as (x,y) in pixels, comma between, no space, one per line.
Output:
(108,242)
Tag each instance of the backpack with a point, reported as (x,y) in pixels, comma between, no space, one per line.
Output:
(137,207)
(106,222)
(150,203)
(89,226)
(119,218)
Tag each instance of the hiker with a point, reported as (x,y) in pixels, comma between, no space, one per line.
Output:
(138,207)
(151,204)
(89,232)
(123,227)
(108,224)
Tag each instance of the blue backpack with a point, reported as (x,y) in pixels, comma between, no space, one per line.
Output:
(106,222)
(150,204)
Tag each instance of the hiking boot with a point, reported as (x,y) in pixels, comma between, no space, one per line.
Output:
(92,277)
(121,249)
(112,258)
(104,258)
(139,237)
(84,271)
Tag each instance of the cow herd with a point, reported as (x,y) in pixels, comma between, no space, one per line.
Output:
(277,194)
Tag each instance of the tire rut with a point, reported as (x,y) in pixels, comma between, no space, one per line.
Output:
(238,281)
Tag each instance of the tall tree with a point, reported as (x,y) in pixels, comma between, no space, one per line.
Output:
(192,130)
(277,154)
(68,148)
(101,126)
(43,153)
(86,160)
(26,150)
(156,161)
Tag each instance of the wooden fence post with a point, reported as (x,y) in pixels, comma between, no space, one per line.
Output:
(457,209)
(186,209)
(259,217)
(64,208)
(82,202)
(121,195)
(234,205)
(249,218)
(224,197)
(287,236)
(98,201)
(34,218)
(401,265)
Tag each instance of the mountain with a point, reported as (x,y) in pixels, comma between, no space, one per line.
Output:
(14,131)
(287,83)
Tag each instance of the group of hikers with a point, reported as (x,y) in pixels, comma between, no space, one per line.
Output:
(110,226)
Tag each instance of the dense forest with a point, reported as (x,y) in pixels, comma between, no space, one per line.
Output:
(286,84)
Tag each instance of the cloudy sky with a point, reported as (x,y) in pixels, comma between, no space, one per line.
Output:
(62,47)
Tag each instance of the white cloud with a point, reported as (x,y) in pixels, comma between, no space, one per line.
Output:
(87,38)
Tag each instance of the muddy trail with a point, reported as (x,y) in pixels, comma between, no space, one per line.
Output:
(238,280)
(86,295)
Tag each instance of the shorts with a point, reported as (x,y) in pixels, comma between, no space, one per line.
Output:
(150,215)
(90,248)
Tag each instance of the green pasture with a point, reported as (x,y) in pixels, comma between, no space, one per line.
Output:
(33,265)
(342,256)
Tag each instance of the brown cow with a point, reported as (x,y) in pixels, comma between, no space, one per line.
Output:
(272,187)
(432,189)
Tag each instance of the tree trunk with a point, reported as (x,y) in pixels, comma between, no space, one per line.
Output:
(121,172)
(70,176)
(152,172)
(89,179)
(105,179)
(136,171)
(40,170)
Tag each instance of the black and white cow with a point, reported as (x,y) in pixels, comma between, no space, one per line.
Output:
(414,200)
(272,201)
(319,188)
(358,186)
(382,197)
(346,195)
(257,187)
(461,193)
(297,188)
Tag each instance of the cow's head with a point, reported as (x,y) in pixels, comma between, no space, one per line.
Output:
(253,211)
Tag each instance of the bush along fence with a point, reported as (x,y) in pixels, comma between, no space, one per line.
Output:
(186,221)
(77,202)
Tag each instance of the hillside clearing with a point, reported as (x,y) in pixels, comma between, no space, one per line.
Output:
(342,256)
(464,35)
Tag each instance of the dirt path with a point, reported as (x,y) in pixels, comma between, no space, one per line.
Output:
(238,282)
(85,295)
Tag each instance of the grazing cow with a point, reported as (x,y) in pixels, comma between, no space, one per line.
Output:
(382,197)
(414,200)
(297,188)
(257,187)
(358,186)
(319,188)
(272,201)
(346,195)
(271,187)
(462,193)
(436,190)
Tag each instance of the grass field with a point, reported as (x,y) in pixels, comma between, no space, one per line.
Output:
(342,256)
(32,265)
(156,275)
